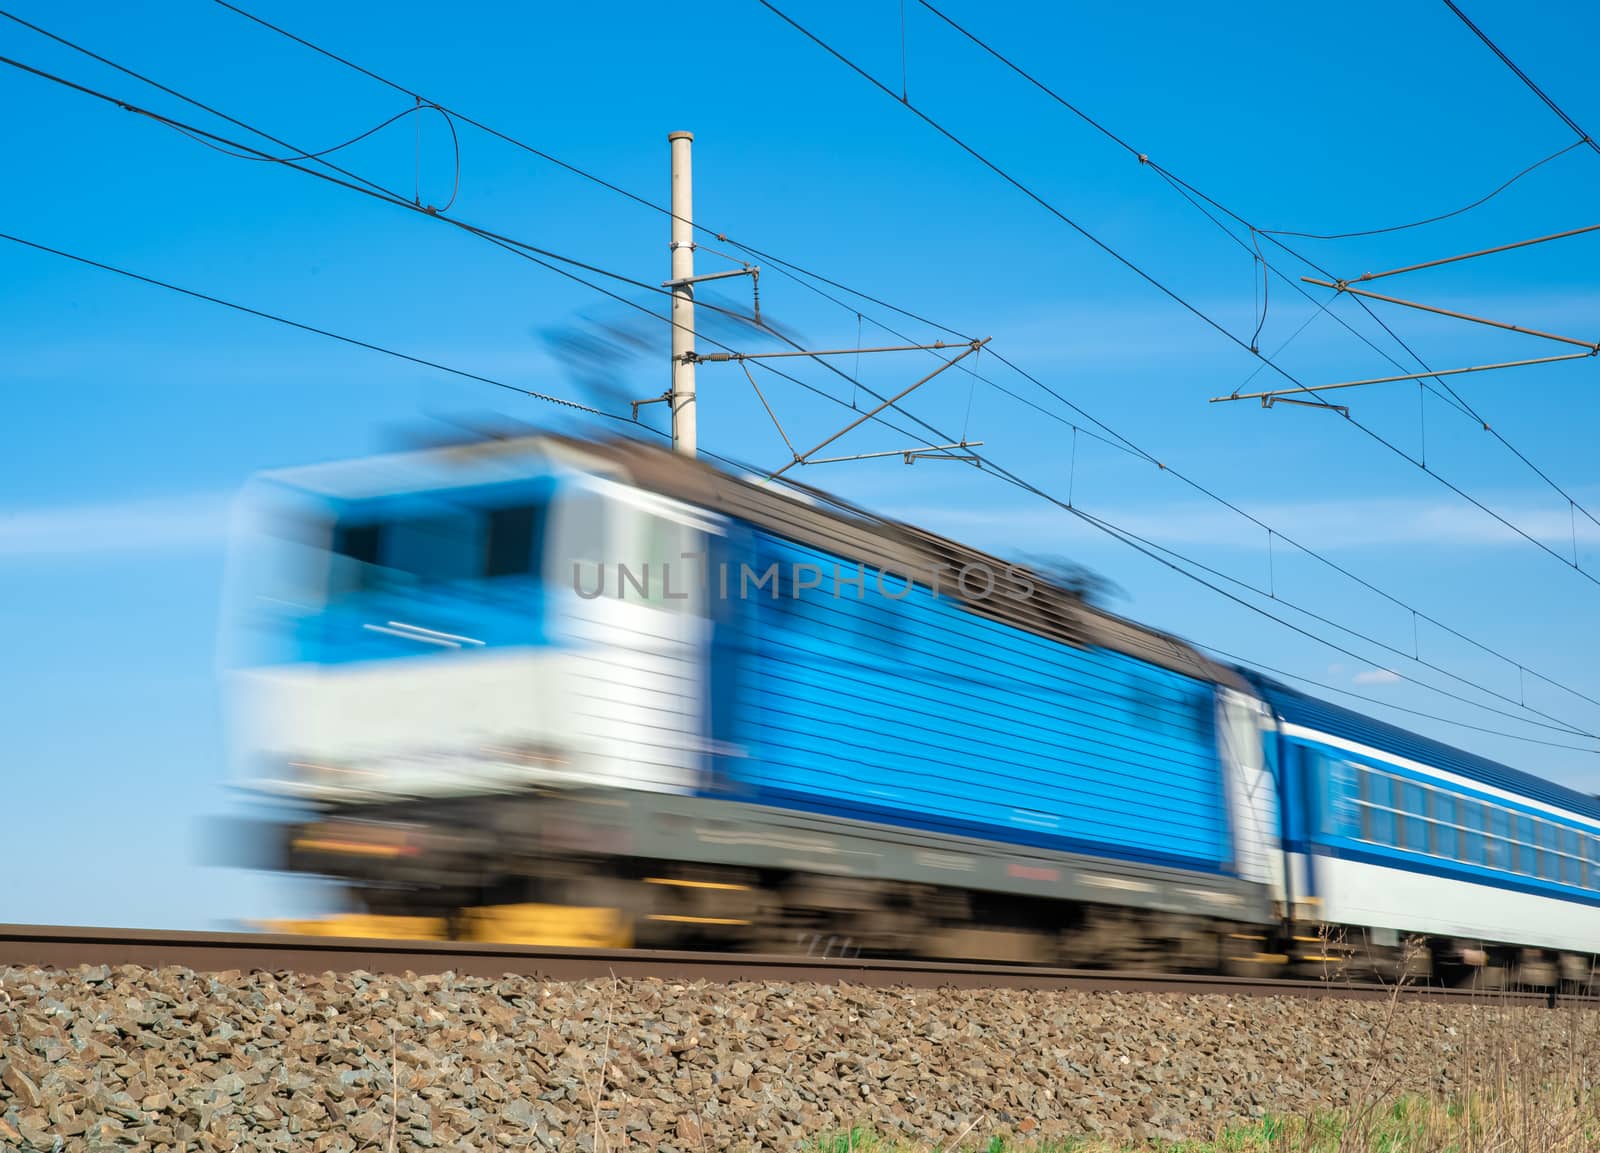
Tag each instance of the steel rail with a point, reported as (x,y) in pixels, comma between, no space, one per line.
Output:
(67,947)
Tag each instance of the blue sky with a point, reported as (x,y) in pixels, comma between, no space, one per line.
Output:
(133,414)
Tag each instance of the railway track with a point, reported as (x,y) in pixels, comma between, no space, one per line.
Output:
(68,947)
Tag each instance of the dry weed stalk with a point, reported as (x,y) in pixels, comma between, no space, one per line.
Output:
(1513,1097)
(599,1139)
(394,1086)
(1369,1100)
(970,1126)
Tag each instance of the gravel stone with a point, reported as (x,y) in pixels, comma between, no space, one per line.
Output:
(124,1057)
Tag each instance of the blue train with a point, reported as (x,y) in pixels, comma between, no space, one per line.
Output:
(546,688)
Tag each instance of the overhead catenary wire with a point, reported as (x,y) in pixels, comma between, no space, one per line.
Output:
(356,342)
(796,271)
(1296,544)
(1005,60)
(1453,398)
(771,258)
(627,194)
(545,257)
(531,252)
(1443,216)
(507,242)
(1122,444)
(1324,308)
(1248,662)
(353,182)
(540,256)
(1583,137)
(1176,561)
(277,318)
(1450,396)
(1211,322)
(372,346)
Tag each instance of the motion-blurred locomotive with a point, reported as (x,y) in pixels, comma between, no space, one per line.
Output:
(575,692)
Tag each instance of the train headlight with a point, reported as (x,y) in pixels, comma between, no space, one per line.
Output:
(532,756)
(323,776)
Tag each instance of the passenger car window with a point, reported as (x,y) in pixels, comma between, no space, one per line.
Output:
(1449,840)
(1472,819)
(1383,823)
(1527,852)
(1500,854)
(1549,862)
(1571,871)
(1414,801)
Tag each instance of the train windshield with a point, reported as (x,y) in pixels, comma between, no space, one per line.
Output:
(371,553)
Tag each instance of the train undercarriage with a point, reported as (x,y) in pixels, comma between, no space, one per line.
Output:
(630,870)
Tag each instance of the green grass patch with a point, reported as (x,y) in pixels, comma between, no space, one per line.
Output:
(1402,1125)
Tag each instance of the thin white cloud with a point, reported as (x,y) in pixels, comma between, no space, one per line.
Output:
(149,525)
(1322,525)
(1377,677)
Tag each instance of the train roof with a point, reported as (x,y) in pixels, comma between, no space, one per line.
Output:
(1297,708)
(807,515)
(817,518)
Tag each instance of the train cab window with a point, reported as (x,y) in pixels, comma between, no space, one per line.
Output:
(359,542)
(374,554)
(508,543)
(357,554)
(1448,843)
(431,548)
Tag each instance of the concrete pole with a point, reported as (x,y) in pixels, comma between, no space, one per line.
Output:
(682,402)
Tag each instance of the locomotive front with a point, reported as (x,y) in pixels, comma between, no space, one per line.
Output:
(415,635)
